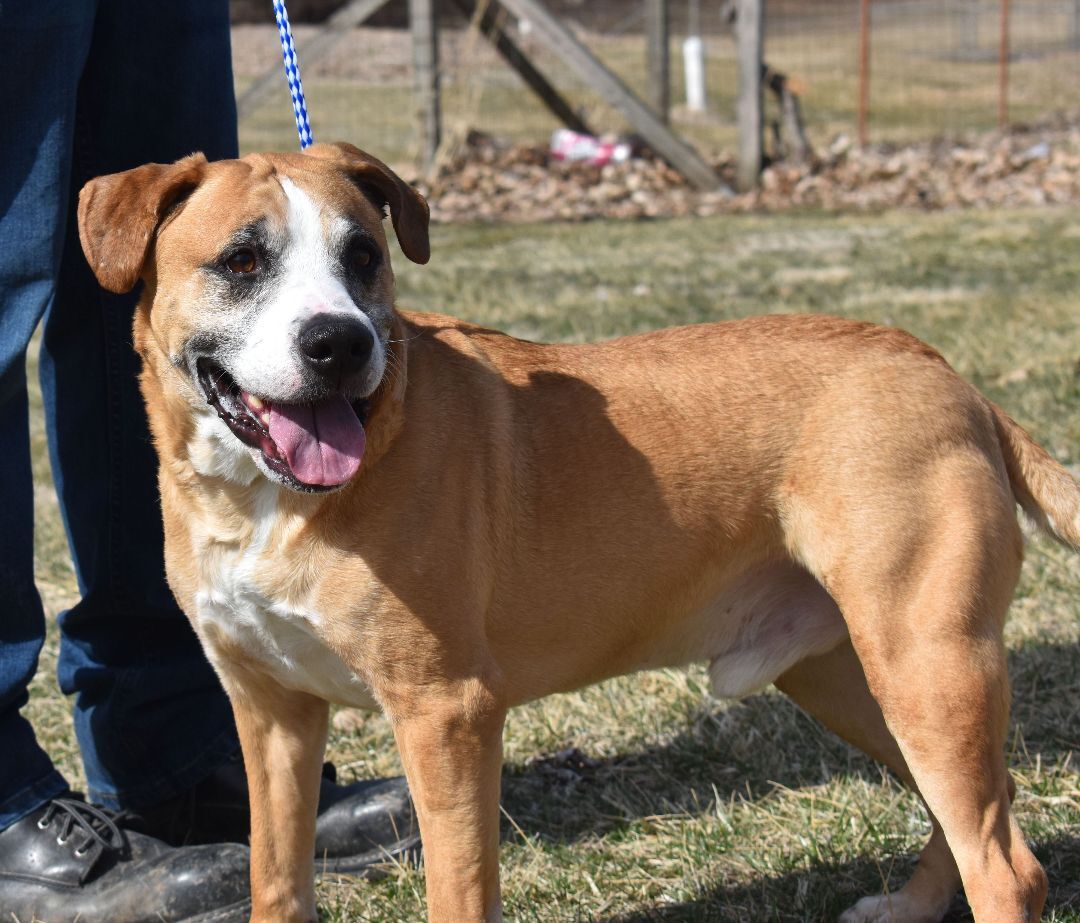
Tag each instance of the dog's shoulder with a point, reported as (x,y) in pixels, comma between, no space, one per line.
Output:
(455,342)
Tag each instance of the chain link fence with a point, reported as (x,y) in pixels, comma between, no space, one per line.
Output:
(934,71)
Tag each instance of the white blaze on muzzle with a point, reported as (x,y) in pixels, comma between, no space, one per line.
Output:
(320,443)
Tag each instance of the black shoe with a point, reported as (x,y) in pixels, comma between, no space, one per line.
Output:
(359,826)
(70,861)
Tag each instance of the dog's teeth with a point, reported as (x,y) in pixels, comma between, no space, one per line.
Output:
(255,403)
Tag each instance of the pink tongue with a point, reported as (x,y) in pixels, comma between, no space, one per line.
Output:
(323,443)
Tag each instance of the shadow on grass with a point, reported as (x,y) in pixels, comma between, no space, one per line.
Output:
(742,751)
(747,749)
(1046,698)
(822,891)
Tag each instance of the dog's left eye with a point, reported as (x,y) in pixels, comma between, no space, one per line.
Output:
(242,262)
(362,256)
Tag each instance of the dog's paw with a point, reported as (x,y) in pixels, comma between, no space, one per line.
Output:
(891,908)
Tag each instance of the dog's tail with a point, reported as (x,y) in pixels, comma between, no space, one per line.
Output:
(1042,487)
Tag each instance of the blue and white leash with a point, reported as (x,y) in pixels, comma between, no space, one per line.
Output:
(292,73)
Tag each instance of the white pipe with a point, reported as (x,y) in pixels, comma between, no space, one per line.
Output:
(693,50)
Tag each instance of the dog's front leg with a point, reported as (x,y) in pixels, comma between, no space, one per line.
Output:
(283,736)
(452,751)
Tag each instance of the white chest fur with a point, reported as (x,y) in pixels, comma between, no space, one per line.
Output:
(283,639)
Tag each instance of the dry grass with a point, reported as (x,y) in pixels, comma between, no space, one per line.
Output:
(642,799)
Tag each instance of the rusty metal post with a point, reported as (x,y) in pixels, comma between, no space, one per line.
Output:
(864,68)
(1003,68)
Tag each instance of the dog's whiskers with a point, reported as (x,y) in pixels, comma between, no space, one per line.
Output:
(394,366)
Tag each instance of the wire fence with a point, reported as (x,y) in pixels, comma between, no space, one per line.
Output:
(935,69)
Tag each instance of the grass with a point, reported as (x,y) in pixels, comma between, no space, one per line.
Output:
(642,799)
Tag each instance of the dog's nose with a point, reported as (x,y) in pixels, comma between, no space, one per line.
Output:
(336,348)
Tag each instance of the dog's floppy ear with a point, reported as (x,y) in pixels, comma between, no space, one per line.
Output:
(120,213)
(408,210)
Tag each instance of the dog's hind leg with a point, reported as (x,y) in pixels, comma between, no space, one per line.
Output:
(832,688)
(924,593)
(946,702)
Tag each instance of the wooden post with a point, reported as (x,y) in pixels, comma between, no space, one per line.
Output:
(562,42)
(1003,68)
(1073,12)
(749,36)
(658,57)
(492,28)
(425,42)
(864,68)
(794,144)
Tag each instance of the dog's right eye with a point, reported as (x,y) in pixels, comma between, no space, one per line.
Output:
(242,262)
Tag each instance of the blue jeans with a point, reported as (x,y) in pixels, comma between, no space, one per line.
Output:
(97,86)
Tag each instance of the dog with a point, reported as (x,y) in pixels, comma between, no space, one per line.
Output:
(409,512)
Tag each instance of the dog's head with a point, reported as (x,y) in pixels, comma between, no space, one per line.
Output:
(269,301)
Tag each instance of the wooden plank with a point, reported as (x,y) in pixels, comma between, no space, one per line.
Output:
(333,31)
(353,13)
(562,42)
(425,42)
(658,57)
(749,36)
(491,26)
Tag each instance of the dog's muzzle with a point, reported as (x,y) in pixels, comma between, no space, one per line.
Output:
(310,446)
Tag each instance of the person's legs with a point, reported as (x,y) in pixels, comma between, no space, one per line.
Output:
(47,46)
(150,714)
(154,725)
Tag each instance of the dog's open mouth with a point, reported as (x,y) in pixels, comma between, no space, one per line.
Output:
(311,446)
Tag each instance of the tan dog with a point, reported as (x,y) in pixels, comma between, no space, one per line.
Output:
(371,507)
